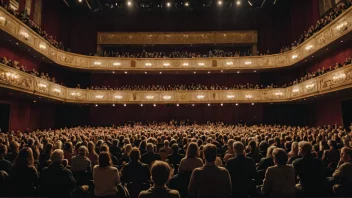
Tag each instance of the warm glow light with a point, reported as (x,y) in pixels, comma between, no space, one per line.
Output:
(310,86)
(295,90)
(129,3)
(219,2)
(141,105)
(124,105)
(148,64)
(278,94)
(185,64)
(222,104)
(42,46)
(339,76)
(248,96)
(24,34)
(75,94)
(200,97)
(97,63)
(2,18)
(118,97)
(11,75)
(229,63)
(42,85)
(294,56)
(201,64)
(80,1)
(166,64)
(125,72)
(309,47)
(252,103)
(167,97)
(149,97)
(168,4)
(230,96)
(248,62)
(57,90)
(341,25)
(238,2)
(208,105)
(186,4)
(99,96)
(116,64)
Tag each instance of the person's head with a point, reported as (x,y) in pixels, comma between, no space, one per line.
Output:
(346,154)
(68,146)
(174,148)
(24,158)
(104,148)
(3,150)
(83,151)
(135,155)
(332,144)
(48,148)
(127,149)
(14,147)
(104,159)
(280,156)
(230,144)
(161,173)
(253,146)
(304,148)
(269,154)
(91,147)
(57,156)
(192,150)
(210,152)
(294,147)
(238,148)
(166,143)
(150,148)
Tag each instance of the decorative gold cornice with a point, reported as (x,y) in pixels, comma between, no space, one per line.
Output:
(335,30)
(17,80)
(148,38)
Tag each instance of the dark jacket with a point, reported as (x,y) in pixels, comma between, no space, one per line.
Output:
(23,181)
(150,157)
(265,163)
(242,172)
(57,181)
(135,172)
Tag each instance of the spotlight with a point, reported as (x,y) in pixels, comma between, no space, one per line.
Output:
(238,2)
(168,4)
(219,2)
(177,105)
(125,72)
(192,105)
(160,72)
(194,72)
(186,4)
(252,103)
(145,72)
(222,104)
(129,3)
(208,105)
(236,104)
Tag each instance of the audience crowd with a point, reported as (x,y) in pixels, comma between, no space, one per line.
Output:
(177,159)
(24,17)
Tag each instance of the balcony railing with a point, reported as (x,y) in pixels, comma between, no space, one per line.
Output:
(332,81)
(332,32)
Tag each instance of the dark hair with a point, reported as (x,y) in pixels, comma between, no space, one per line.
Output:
(253,146)
(24,158)
(280,156)
(104,148)
(48,148)
(104,159)
(174,148)
(134,155)
(210,153)
(3,150)
(192,150)
(161,172)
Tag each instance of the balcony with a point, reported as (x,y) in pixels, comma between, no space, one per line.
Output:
(336,30)
(14,79)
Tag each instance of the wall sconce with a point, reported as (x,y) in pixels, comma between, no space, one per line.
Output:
(167,97)
(149,97)
(99,96)
(200,97)
(230,96)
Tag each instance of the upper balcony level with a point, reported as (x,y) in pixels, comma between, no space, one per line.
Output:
(334,32)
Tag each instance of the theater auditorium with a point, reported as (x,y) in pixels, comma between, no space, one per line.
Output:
(175,98)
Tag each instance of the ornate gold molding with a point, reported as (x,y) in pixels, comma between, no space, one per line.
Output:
(335,30)
(146,38)
(15,79)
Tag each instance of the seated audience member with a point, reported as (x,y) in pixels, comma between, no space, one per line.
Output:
(81,162)
(4,164)
(68,151)
(254,152)
(24,177)
(263,148)
(279,179)
(343,174)
(56,180)
(161,173)
(175,158)
(242,171)
(218,183)
(332,155)
(105,148)
(13,151)
(4,185)
(150,156)
(93,156)
(293,154)
(191,161)
(165,150)
(135,170)
(44,157)
(125,158)
(265,163)
(229,153)
(115,150)
(105,176)
(311,172)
